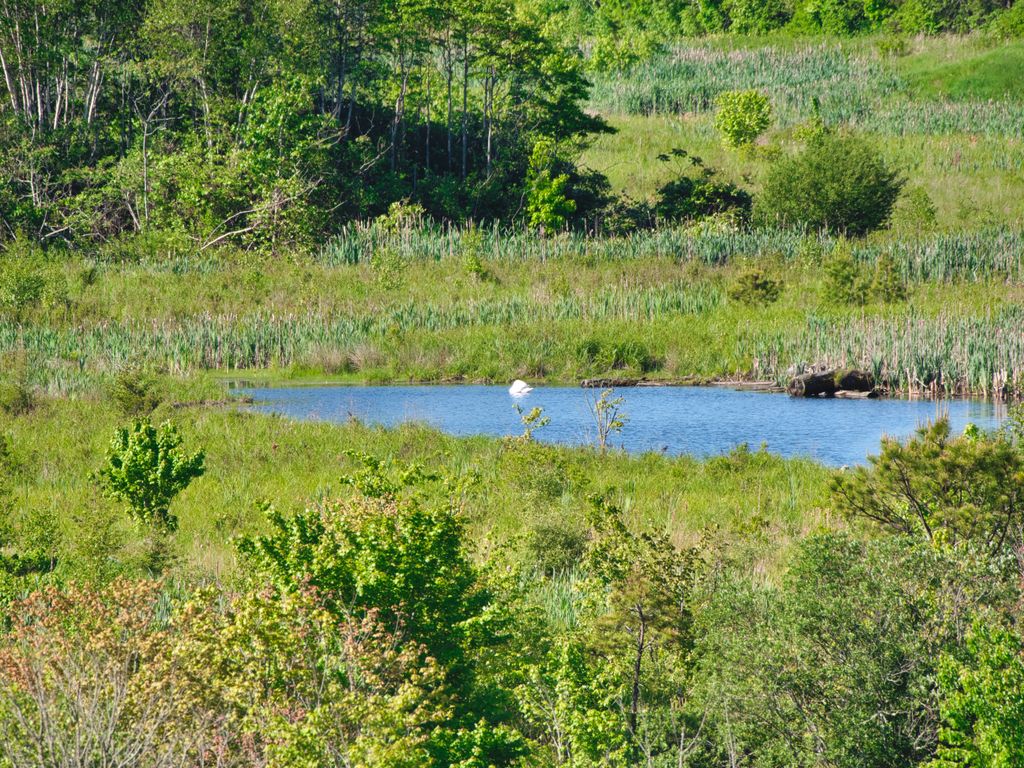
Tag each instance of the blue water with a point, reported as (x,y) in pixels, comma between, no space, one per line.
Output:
(694,420)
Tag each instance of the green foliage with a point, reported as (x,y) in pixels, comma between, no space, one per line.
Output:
(642,620)
(887,285)
(386,556)
(21,287)
(754,286)
(837,663)
(134,392)
(941,488)
(839,183)
(146,468)
(1010,22)
(627,354)
(17,393)
(690,198)
(608,417)
(403,558)
(845,282)
(556,548)
(532,421)
(742,116)
(547,203)
(982,701)
(265,124)
(915,211)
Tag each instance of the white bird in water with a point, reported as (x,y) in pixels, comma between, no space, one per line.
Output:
(519,388)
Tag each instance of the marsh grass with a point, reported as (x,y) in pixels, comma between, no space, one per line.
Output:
(558,309)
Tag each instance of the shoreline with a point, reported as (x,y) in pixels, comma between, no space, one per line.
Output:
(267,379)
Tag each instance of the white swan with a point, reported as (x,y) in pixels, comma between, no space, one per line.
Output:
(519,388)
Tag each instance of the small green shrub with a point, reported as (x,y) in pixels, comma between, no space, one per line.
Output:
(547,201)
(893,45)
(146,468)
(17,394)
(22,286)
(838,183)
(134,392)
(686,199)
(388,268)
(888,285)
(742,116)
(914,211)
(753,286)
(696,197)
(1010,22)
(845,282)
(556,547)
(624,216)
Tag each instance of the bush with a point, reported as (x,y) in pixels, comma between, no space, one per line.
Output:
(753,286)
(943,488)
(17,395)
(688,198)
(624,216)
(547,201)
(887,284)
(555,547)
(1010,23)
(134,392)
(839,183)
(742,116)
(146,468)
(981,705)
(845,282)
(22,286)
(915,211)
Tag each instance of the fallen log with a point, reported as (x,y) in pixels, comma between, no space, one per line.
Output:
(829,383)
(813,384)
(853,380)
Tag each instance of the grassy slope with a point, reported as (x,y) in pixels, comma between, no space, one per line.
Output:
(969,71)
(253,459)
(972,180)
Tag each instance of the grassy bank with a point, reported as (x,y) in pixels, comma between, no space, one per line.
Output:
(253,460)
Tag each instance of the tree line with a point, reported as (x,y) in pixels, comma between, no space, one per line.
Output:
(271,120)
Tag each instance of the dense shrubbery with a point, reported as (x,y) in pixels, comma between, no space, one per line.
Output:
(363,632)
(836,182)
(624,33)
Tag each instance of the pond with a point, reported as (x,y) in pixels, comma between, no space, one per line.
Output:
(693,420)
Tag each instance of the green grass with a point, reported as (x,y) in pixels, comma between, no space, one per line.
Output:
(966,73)
(254,459)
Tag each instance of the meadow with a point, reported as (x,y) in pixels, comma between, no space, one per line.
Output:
(515,488)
